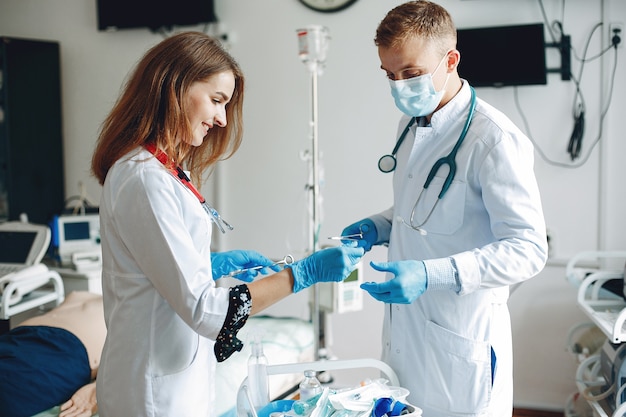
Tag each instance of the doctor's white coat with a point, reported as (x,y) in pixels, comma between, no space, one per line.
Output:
(491,224)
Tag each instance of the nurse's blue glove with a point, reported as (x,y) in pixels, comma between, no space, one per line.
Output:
(366,228)
(224,263)
(332,264)
(408,283)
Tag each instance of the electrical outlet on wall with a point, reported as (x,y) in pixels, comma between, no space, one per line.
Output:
(616,34)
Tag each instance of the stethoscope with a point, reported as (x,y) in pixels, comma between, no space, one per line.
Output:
(387,163)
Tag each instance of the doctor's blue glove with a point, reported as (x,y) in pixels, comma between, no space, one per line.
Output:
(223,263)
(408,283)
(367,229)
(332,264)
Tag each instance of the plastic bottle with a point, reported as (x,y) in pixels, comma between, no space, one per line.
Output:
(258,380)
(310,386)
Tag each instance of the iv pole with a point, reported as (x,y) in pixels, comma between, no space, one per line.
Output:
(313,43)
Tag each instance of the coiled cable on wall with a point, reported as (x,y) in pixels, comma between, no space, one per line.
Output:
(576,138)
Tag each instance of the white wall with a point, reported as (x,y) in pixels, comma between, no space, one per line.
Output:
(262,189)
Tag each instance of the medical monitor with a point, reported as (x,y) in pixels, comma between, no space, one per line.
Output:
(502,56)
(153,14)
(23,243)
(72,234)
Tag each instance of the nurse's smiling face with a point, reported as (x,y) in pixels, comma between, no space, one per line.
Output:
(206,104)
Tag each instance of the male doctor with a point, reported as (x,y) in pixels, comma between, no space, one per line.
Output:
(459,240)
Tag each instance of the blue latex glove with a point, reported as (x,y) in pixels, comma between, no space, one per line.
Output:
(223,263)
(365,226)
(408,283)
(332,264)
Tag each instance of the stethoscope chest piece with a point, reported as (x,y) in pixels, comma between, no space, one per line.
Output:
(387,163)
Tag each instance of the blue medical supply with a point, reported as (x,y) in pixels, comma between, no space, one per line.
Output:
(387,407)
(275,408)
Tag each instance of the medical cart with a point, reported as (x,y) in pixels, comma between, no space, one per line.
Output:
(244,399)
(601,377)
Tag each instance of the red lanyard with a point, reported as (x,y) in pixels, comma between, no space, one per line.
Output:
(176,171)
(179,174)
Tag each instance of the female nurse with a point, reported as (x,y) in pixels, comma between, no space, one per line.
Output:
(167,322)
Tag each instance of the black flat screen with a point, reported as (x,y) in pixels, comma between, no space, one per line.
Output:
(502,55)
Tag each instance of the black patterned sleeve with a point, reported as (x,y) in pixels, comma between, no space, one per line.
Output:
(239,306)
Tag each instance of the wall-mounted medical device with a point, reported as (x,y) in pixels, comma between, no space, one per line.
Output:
(344,296)
(76,239)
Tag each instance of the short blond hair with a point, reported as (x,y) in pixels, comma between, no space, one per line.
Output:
(417,18)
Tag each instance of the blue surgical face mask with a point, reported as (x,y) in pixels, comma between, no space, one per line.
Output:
(416,96)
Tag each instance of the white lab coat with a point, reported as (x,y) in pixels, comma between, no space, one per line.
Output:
(162,308)
(491,223)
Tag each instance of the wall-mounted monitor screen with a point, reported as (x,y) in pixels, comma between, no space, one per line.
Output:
(153,14)
(501,56)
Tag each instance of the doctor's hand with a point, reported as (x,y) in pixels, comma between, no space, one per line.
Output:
(223,263)
(367,229)
(332,264)
(408,283)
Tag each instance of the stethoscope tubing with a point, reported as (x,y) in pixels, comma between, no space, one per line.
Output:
(449,160)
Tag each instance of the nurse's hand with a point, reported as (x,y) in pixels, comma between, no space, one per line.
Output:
(408,283)
(367,229)
(223,263)
(326,265)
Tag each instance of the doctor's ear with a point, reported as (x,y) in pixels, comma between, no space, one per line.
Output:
(452,60)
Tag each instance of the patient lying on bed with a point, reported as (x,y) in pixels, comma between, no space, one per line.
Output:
(53,359)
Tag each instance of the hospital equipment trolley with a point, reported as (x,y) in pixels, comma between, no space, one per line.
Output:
(41,287)
(243,395)
(601,377)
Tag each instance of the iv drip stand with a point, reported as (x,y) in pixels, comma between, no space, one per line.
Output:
(312,42)
(318,319)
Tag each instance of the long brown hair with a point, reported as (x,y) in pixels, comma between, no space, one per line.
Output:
(151,107)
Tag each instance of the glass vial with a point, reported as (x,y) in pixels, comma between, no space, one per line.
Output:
(310,386)
(258,380)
